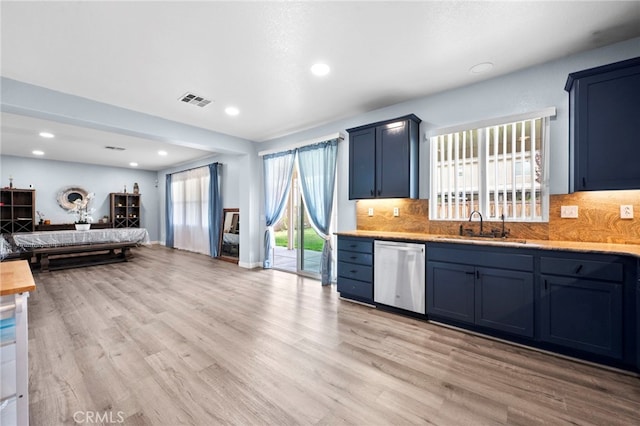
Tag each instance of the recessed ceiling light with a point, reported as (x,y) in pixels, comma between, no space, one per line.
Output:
(133,164)
(481,68)
(232,110)
(320,69)
(37,152)
(47,135)
(163,153)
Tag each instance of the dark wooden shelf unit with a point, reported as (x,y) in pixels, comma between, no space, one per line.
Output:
(17,210)
(125,210)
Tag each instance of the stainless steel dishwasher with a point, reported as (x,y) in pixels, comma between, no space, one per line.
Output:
(399,275)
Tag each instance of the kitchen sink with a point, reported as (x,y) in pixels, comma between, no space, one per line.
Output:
(485,240)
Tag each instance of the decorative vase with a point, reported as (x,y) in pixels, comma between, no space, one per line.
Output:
(83,226)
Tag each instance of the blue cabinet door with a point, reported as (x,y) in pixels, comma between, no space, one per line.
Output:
(604,126)
(362,164)
(504,301)
(392,163)
(582,314)
(637,335)
(451,291)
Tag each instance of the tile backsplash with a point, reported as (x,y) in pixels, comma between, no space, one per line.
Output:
(598,218)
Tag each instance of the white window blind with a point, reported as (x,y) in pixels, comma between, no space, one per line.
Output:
(497,170)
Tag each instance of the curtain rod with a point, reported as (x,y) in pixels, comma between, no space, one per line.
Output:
(193,168)
(329,137)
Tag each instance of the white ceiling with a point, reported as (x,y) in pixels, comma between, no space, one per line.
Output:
(256,55)
(20,137)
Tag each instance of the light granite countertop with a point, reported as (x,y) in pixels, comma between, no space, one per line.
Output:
(15,277)
(578,246)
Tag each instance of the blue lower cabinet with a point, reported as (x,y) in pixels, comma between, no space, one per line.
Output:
(504,301)
(585,305)
(355,268)
(451,291)
(582,314)
(492,298)
(637,331)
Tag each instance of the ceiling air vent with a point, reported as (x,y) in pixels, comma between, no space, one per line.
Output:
(115,148)
(193,99)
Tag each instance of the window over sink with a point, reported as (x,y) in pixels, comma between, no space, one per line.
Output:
(497,167)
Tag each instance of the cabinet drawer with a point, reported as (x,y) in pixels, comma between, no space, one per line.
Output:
(481,256)
(593,269)
(355,244)
(356,272)
(355,257)
(356,288)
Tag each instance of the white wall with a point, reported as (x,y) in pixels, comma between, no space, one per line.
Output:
(524,91)
(240,186)
(50,177)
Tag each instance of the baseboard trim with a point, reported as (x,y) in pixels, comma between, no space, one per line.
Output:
(250,265)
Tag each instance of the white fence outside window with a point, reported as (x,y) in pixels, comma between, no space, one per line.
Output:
(497,169)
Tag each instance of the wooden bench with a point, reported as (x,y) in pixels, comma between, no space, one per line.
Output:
(75,256)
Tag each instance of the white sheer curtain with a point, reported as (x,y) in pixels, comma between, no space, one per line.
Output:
(190,195)
(317,165)
(277,183)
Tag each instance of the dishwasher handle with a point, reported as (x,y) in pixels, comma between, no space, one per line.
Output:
(401,247)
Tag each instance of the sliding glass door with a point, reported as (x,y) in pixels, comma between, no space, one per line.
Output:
(298,246)
(310,244)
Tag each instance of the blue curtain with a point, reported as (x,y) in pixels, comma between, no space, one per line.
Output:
(215,209)
(277,183)
(168,214)
(317,166)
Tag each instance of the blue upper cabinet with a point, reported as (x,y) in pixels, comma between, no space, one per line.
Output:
(604,123)
(362,164)
(383,159)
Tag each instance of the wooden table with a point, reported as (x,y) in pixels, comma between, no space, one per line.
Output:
(15,277)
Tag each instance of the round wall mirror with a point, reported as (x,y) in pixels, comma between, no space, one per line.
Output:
(68,197)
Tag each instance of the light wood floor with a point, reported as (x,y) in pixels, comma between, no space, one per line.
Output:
(177,338)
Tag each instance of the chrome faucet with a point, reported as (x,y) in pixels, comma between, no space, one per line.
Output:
(479,214)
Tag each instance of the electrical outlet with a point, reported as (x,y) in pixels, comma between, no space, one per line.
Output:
(370,211)
(626,212)
(569,212)
(396,212)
